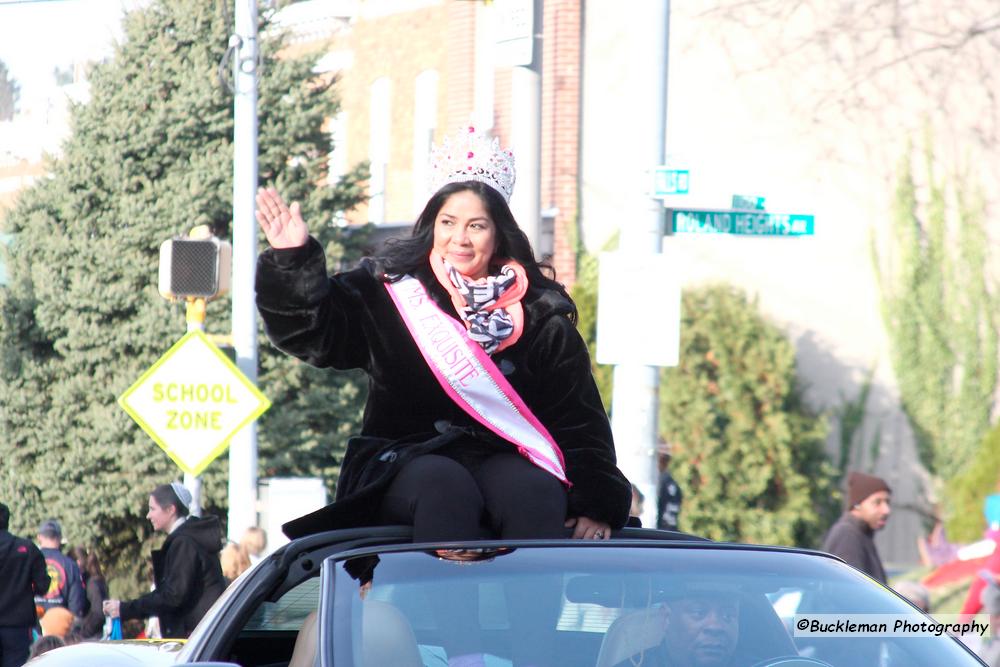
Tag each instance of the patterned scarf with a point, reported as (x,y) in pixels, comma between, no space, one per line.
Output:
(490,306)
(489,328)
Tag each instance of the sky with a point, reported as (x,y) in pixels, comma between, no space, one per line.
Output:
(37,36)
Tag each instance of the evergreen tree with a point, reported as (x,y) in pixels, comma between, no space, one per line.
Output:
(939,309)
(10,90)
(150,157)
(746,451)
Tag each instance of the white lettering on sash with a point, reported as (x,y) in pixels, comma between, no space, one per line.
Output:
(471,379)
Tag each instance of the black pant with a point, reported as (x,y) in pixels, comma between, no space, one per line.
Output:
(504,492)
(15,643)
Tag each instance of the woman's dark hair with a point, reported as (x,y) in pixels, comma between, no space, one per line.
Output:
(403,256)
(44,644)
(166,496)
(91,564)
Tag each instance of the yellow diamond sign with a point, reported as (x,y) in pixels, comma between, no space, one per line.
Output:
(192,401)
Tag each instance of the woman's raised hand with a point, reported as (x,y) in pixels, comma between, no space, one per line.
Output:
(283,225)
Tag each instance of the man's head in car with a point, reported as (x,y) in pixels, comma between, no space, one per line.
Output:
(702,628)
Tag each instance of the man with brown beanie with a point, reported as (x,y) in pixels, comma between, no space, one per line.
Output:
(851,537)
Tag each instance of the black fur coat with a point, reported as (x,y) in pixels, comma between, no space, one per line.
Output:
(349,321)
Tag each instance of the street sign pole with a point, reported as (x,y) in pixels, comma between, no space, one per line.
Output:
(195,322)
(634,406)
(195,312)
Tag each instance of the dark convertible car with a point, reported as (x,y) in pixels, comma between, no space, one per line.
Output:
(371,597)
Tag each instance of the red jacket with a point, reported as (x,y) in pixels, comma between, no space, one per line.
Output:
(973,605)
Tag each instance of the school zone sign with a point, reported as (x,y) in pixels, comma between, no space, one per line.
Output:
(192,401)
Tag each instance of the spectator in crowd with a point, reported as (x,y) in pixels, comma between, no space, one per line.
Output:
(668,493)
(852,536)
(916,593)
(134,628)
(973,599)
(66,589)
(91,625)
(987,645)
(151,625)
(22,576)
(637,502)
(254,542)
(57,621)
(234,560)
(989,650)
(186,570)
(935,549)
(45,644)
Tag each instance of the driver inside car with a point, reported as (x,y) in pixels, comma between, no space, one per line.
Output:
(700,629)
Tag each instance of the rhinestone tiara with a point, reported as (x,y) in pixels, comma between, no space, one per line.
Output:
(471,156)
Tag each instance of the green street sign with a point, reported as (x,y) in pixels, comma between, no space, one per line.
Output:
(748,202)
(740,222)
(670,181)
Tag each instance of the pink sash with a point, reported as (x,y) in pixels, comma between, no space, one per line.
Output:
(471,379)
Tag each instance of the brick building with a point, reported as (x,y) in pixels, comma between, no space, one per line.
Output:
(410,72)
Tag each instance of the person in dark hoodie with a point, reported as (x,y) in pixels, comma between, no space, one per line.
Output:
(186,570)
(66,589)
(852,537)
(24,576)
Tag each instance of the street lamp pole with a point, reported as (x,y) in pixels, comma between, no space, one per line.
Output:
(243,447)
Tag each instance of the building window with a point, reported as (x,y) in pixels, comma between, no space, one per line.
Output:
(425,111)
(378,148)
(547,234)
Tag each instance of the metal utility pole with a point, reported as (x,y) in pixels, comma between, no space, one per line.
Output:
(523,28)
(634,400)
(243,447)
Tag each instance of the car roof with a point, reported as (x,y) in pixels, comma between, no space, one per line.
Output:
(382,539)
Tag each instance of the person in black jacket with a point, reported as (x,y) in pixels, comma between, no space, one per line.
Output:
(186,572)
(22,576)
(668,494)
(428,456)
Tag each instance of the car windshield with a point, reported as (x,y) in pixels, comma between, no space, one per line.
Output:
(607,606)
